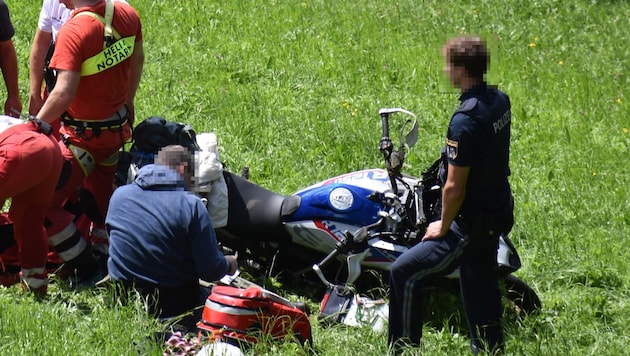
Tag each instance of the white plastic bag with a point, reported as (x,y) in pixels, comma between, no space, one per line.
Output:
(210,180)
(367,312)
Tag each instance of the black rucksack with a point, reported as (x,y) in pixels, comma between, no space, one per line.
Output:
(155,132)
(149,136)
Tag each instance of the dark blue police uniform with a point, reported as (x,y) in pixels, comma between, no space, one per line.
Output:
(478,137)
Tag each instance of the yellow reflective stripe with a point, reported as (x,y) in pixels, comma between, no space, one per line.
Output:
(85,159)
(111,161)
(109,57)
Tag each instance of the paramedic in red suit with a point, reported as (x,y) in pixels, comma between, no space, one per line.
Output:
(30,164)
(94,93)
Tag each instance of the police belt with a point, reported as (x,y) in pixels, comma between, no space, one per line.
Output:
(113,122)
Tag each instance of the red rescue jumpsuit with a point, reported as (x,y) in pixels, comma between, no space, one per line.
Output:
(30,164)
(89,149)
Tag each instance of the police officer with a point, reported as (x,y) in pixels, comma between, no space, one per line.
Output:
(477,207)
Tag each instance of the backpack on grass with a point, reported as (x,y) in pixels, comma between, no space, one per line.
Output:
(251,315)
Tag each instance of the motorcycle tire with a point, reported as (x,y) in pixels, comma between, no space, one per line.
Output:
(521,294)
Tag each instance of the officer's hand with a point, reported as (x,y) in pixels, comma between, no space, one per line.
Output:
(233,264)
(434,231)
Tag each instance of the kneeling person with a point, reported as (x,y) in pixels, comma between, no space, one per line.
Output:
(161,238)
(30,165)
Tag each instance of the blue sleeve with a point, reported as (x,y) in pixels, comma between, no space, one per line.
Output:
(460,140)
(209,262)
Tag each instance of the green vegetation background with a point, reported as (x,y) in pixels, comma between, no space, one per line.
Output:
(292,90)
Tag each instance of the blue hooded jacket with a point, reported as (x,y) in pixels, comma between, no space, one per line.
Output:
(160,233)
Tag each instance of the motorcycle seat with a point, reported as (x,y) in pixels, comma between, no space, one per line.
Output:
(250,205)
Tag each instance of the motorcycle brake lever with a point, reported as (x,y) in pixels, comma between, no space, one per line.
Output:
(320,274)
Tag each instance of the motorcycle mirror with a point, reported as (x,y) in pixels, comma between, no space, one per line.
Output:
(412,136)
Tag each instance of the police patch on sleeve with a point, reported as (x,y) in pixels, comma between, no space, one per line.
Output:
(451,148)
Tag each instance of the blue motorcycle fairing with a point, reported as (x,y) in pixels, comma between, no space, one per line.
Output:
(337,202)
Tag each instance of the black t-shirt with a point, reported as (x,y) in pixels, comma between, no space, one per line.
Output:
(479,137)
(6,27)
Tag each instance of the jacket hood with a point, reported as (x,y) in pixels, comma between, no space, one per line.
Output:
(158,177)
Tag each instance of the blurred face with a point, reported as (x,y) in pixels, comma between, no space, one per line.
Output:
(188,174)
(454,73)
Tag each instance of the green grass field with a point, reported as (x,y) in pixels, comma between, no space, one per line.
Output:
(292,90)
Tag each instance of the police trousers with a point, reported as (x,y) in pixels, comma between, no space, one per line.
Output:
(408,278)
(473,248)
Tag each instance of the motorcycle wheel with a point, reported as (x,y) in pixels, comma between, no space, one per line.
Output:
(521,294)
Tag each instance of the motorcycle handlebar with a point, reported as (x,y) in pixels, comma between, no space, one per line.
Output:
(384,113)
(384,122)
(346,244)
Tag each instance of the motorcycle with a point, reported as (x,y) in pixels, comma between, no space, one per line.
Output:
(370,216)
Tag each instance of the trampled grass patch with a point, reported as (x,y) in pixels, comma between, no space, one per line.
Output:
(292,90)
